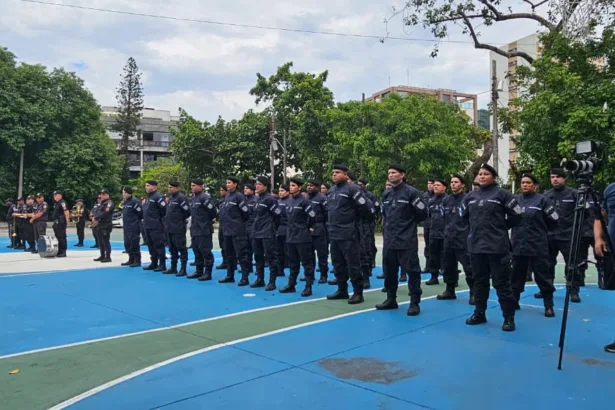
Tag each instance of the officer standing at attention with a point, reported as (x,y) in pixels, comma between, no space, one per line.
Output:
(154,210)
(223,192)
(248,192)
(60,219)
(82,215)
(319,232)
(20,239)
(177,212)
(346,203)
(427,225)
(456,230)
(9,221)
(104,220)
(94,227)
(203,211)
(564,200)
(491,212)
(298,239)
(28,227)
(132,215)
(530,242)
(234,218)
(283,204)
(436,229)
(403,208)
(266,220)
(39,220)
(371,228)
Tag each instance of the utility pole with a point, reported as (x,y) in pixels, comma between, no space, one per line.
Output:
(284,147)
(20,185)
(494,105)
(271,159)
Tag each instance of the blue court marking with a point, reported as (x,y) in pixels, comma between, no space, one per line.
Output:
(42,311)
(388,360)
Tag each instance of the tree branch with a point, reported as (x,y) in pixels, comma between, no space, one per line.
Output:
(535,6)
(478,44)
(498,16)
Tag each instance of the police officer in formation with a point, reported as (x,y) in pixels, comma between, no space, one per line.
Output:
(154,210)
(320,247)
(250,198)
(403,208)
(132,214)
(266,220)
(103,219)
(284,201)
(436,228)
(40,218)
(202,211)
(300,219)
(60,218)
(81,213)
(178,211)
(222,193)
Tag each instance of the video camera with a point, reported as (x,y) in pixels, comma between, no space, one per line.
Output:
(590,155)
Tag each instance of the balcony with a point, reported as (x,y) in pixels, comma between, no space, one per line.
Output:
(161,144)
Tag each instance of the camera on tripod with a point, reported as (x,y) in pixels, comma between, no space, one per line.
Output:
(590,154)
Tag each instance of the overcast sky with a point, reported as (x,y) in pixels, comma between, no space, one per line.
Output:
(208,69)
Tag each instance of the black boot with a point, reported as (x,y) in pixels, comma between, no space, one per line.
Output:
(549,311)
(290,287)
(433,281)
(449,293)
(229,278)
(414,309)
(332,281)
(389,304)
(308,290)
(244,280)
(136,261)
(153,265)
(509,324)
(403,277)
(162,265)
(339,294)
(356,298)
(182,270)
(259,282)
(172,269)
(271,285)
(477,318)
(222,266)
(323,279)
(130,260)
(197,273)
(207,275)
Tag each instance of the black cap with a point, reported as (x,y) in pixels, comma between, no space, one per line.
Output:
(489,169)
(297,181)
(315,182)
(232,178)
(29,197)
(560,172)
(79,200)
(174,183)
(103,191)
(57,192)
(351,176)
(326,184)
(363,181)
(152,182)
(197,181)
(397,168)
(340,167)
(431,180)
(128,190)
(442,181)
(20,198)
(250,186)
(285,187)
(39,195)
(459,177)
(263,180)
(530,176)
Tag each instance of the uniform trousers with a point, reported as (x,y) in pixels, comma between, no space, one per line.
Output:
(345,255)
(203,257)
(366,250)
(497,267)
(301,254)
(104,239)
(131,242)
(320,249)
(81,230)
(237,250)
(436,253)
(59,230)
(540,265)
(452,258)
(555,247)
(155,244)
(178,248)
(264,251)
(408,261)
(280,253)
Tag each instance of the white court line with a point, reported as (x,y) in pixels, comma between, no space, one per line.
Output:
(245,312)
(127,377)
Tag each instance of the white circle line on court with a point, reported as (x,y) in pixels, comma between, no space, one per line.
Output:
(147,369)
(159,329)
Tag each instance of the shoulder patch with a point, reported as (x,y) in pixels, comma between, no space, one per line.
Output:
(362,200)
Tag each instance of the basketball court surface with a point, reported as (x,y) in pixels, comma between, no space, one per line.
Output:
(78,334)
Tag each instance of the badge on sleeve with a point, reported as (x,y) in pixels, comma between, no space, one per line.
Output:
(277,211)
(361,200)
(209,206)
(312,214)
(185,207)
(244,208)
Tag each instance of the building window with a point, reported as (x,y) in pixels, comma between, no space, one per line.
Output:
(446,98)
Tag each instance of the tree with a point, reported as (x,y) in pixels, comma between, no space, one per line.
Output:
(194,145)
(429,137)
(163,171)
(439,15)
(130,106)
(55,120)
(300,102)
(483,119)
(563,102)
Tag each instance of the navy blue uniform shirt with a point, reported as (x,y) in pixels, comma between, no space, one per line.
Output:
(203,211)
(530,237)
(319,206)
(178,211)
(345,205)
(234,214)
(300,219)
(402,209)
(436,216)
(132,213)
(456,228)
(266,216)
(154,210)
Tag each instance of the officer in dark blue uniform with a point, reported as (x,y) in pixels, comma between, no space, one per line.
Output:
(248,193)
(60,218)
(9,221)
(436,229)
(283,204)
(234,215)
(298,239)
(103,219)
(222,192)
(203,211)
(319,232)
(94,227)
(530,242)
(587,240)
(40,218)
(154,211)
(564,200)
(403,209)
(456,230)
(427,225)
(491,212)
(346,203)
(370,227)
(266,219)
(132,215)
(178,211)
(367,235)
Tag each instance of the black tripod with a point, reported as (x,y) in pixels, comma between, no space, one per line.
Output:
(585,190)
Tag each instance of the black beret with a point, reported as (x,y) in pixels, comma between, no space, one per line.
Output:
(560,172)
(128,190)
(263,180)
(285,187)
(440,180)
(57,192)
(530,176)
(397,168)
(174,183)
(363,181)
(250,186)
(297,181)
(351,176)
(232,178)
(431,180)
(340,167)
(39,195)
(103,191)
(326,184)
(198,181)
(20,198)
(29,197)
(489,169)
(315,182)
(152,182)
(459,177)
(79,200)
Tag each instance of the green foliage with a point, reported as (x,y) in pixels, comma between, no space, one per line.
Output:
(563,102)
(163,171)
(56,121)
(130,104)
(428,137)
